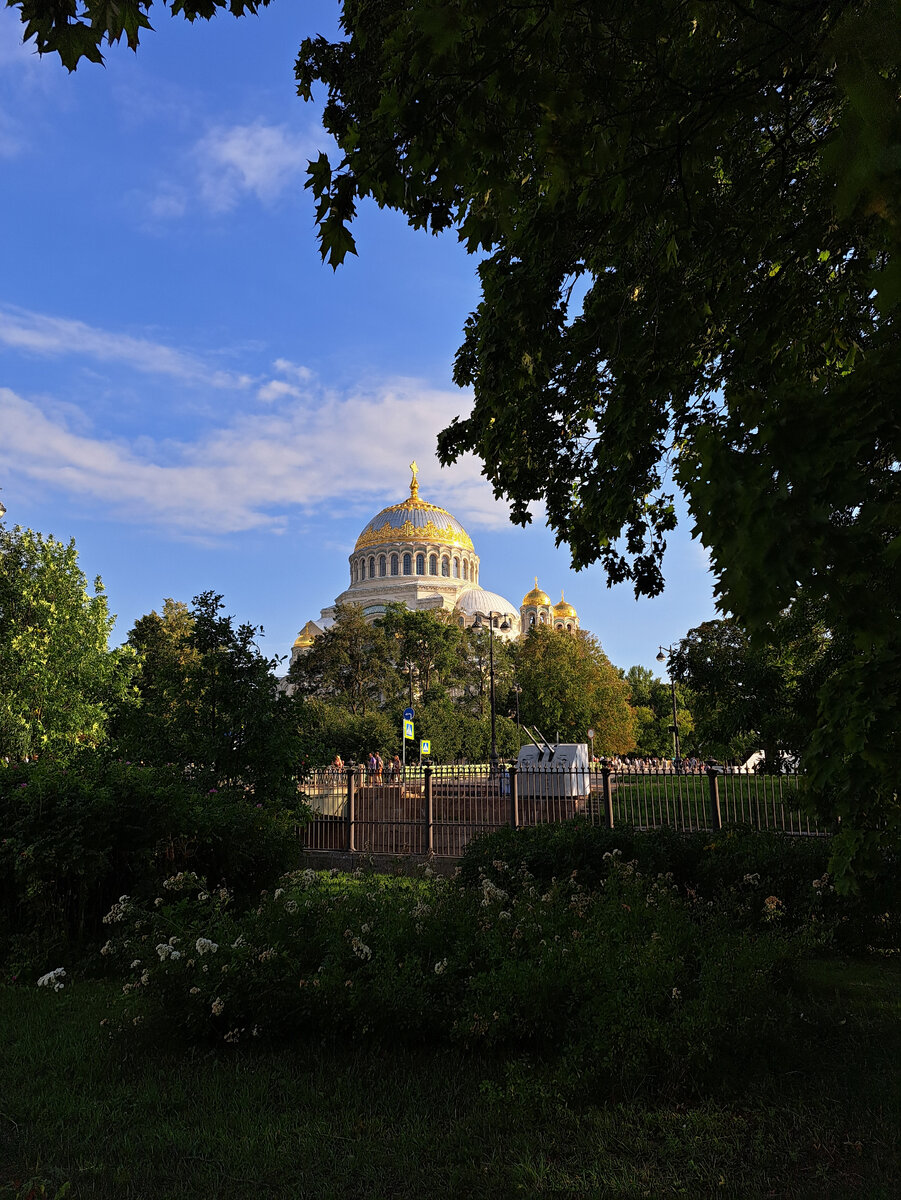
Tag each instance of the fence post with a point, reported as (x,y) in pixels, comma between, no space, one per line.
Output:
(351,805)
(429,813)
(608,797)
(514,798)
(713,780)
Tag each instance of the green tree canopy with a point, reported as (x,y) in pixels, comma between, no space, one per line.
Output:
(349,665)
(570,686)
(76,29)
(59,681)
(211,702)
(753,695)
(431,641)
(651,700)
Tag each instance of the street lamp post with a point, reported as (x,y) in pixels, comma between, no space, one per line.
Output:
(662,657)
(412,668)
(477,624)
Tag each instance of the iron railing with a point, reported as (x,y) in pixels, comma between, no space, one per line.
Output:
(437,810)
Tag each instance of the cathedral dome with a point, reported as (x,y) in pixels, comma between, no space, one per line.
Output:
(414,520)
(564,610)
(536,598)
(477,600)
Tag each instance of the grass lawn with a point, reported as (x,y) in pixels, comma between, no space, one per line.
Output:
(333,1120)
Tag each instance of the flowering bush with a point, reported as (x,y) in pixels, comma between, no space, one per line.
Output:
(737,870)
(71,839)
(628,983)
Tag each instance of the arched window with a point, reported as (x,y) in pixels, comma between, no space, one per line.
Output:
(408,564)
(461,622)
(372,567)
(420,564)
(456,568)
(570,628)
(393,564)
(465,569)
(445,567)
(559,624)
(362,568)
(383,566)
(531,620)
(433,564)
(541,618)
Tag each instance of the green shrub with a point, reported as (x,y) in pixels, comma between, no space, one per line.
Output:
(741,869)
(625,986)
(73,839)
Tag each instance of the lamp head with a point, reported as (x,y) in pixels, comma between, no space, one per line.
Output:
(477,623)
(661,657)
(505,625)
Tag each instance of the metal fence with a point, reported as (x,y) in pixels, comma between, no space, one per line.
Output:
(437,810)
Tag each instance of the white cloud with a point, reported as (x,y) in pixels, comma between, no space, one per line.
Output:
(292,370)
(258,158)
(336,452)
(41,335)
(277,389)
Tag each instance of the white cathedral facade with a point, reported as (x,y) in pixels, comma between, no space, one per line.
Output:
(418,554)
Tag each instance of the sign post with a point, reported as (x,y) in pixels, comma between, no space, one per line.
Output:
(425,749)
(407,734)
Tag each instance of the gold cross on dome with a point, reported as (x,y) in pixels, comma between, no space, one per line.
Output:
(414,482)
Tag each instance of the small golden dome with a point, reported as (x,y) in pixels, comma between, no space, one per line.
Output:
(536,598)
(307,636)
(563,609)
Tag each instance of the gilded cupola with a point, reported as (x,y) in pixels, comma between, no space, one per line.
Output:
(414,520)
(536,598)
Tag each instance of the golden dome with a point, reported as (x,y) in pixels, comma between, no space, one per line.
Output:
(563,609)
(414,520)
(536,598)
(307,636)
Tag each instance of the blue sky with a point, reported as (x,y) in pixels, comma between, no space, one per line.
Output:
(188,392)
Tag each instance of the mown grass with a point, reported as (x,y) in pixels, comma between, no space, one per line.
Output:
(123,1120)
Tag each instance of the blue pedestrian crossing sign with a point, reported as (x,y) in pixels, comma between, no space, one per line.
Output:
(408,714)
(425,749)
(408,731)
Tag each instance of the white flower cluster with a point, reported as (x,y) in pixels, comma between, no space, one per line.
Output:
(117,912)
(218,1007)
(441,967)
(823,885)
(492,894)
(205,946)
(611,855)
(167,950)
(755,878)
(53,979)
(361,949)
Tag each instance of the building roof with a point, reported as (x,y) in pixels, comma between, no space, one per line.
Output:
(477,600)
(414,520)
(562,609)
(536,598)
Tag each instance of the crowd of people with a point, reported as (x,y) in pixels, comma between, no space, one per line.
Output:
(376,767)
